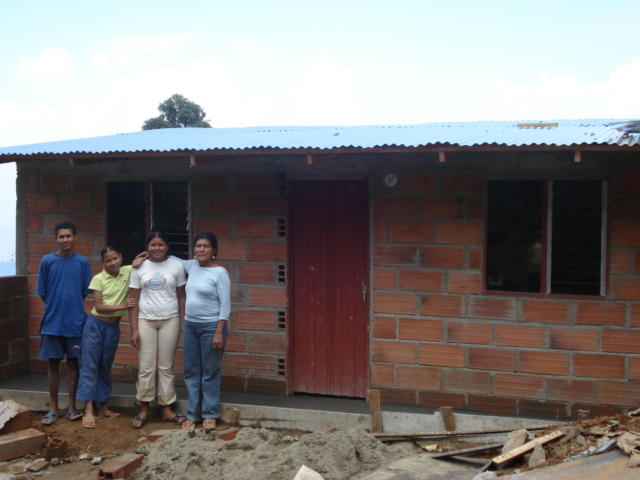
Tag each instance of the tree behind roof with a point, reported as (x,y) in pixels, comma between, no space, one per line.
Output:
(177,112)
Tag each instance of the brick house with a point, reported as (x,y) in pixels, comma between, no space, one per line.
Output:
(488,266)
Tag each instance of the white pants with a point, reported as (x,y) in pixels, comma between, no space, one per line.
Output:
(158,345)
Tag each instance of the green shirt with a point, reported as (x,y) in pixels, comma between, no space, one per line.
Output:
(115,290)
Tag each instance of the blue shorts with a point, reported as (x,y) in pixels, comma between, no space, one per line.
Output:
(55,346)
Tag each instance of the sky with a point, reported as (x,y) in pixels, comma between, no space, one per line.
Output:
(76,69)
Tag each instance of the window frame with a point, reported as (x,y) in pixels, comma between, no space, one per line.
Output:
(545,273)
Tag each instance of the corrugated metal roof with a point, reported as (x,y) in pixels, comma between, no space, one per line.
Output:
(465,134)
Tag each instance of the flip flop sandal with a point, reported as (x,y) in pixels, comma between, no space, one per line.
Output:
(111,414)
(188,425)
(52,416)
(176,419)
(89,422)
(209,423)
(74,415)
(139,419)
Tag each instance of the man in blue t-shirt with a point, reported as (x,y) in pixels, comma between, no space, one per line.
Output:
(63,284)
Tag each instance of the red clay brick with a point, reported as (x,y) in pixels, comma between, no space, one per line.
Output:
(393,352)
(90,225)
(86,183)
(236,342)
(601,366)
(442,207)
(595,411)
(42,202)
(535,408)
(441,355)
(544,362)
(126,355)
(437,399)
(50,222)
(411,231)
(261,251)
(271,343)
(421,280)
(468,233)
(571,390)
(394,207)
(621,262)
(621,341)
(397,395)
(420,378)
(495,405)
(548,311)
(256,320)
(600,313)
(442,306)
(256,273)
(255,227)
(467,381)
(399,303)
(635,315)
(233,250)
(75,203)
(620,209)
(227,205)
(99,204)
(520,336)
(266,385)
(218,183)
(384,327)
(619,393)
(384,279)
(574,338)
(466,281)
(448,257)
(634,369)
(54,182)
(518,385)
(267,205)
(21,443)
(35,223)
(493,308)
(220,227)
(475,258)
(233,383)
(382,375)
(625,235)
(380,231)
(475,208)
(625,288)
(462,183)
(394,255)
(266,297)
(32,182)
(414,184)
(501,359)
(470,332)
(421,329)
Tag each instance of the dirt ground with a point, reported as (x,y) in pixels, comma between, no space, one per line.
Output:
(264,454)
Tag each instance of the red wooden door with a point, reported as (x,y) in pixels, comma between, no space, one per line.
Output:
(329,247)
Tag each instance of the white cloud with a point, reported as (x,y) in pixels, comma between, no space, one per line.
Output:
(113,63)
(153,43)
(562,96)
(52,65)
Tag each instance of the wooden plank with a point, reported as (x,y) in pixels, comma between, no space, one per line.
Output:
(522,449)
(482,448)
(442,156)
(402,436)
(447,418)
(577,156)
(376,414)
(234,416)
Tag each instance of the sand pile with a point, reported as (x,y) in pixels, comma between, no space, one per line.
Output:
(262,454)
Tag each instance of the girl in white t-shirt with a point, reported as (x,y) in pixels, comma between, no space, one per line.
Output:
(156,319)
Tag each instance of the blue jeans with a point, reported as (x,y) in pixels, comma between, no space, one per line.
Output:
(99,343)
(202,369)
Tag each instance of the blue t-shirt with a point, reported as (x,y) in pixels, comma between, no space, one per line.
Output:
(208,292)
(64,281)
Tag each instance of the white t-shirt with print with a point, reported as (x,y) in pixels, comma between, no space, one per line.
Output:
(157,282)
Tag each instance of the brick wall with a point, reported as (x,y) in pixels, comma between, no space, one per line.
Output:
(247,213)
(13,325)
(437,340)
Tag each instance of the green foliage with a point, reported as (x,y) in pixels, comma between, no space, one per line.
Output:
(177,112)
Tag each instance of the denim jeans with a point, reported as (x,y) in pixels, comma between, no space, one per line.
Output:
(99,343)
(202,369)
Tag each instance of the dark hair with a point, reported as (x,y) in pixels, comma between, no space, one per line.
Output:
(107,249)
(65,225)
(157,234)
(208,236)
